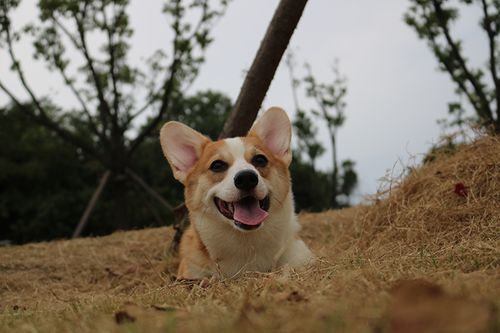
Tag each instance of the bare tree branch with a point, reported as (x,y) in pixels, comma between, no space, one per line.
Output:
(69,83)
(448,64)
(43,120)
(42,117)
(150,101)
(461,83)
(168,89)
(166,100)
(293,80)
(104,109)
(456,53)
(149,189)
(112,64)
(68,34)
(492,61)
(57,24)
(315,93)
(78,46)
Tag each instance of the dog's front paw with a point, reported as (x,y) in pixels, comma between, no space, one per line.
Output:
(297,255)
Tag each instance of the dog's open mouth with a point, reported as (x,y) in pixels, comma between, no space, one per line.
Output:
(247,213)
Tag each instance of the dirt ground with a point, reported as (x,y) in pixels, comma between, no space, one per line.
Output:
(422,256)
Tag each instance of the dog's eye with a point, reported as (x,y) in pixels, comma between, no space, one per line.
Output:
(259,161)
(218,166)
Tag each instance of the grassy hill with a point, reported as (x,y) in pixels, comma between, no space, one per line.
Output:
(424,256)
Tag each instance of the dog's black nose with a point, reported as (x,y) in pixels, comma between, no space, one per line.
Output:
(246,180)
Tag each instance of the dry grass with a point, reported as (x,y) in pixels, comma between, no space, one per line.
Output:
(420,228)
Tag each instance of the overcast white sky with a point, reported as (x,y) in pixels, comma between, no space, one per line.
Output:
(395,93)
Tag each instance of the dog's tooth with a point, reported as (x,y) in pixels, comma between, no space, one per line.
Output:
(231,207)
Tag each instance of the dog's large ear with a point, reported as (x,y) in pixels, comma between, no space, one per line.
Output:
(182,146)
(275,130)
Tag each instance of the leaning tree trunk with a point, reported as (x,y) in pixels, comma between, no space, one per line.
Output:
(261,73)
(335,173)
(90,206)
(257,82)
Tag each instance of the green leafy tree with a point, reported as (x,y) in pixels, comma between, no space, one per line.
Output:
(112,92)
(308,147)
(348,180)
(311,187)
(329,108)
(433,22)
(45,182)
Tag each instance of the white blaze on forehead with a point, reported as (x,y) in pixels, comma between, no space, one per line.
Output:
(236,147)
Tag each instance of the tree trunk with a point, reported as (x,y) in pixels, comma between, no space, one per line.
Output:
(257,82)
(261,73)
(91,205)
(335,172)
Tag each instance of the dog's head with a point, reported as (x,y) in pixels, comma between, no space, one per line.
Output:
(240,181)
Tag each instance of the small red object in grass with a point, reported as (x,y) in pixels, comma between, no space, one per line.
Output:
(460,190)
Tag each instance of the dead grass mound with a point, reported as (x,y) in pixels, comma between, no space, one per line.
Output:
(439,224)
(449,207)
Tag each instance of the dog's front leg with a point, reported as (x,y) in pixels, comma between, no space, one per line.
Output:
(296,255)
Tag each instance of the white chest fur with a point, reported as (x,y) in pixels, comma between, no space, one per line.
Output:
(273,245)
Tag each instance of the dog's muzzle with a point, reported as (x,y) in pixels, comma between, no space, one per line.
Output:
(247,213)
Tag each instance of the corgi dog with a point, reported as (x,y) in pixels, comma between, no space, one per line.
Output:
(239,197)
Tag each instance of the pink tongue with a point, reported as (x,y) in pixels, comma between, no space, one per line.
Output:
(248,211)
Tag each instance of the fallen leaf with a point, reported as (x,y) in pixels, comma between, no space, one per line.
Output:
(18,308)
(461,190)
(295,296)
(163,307)
(111,273)
(419,306)
(123,317)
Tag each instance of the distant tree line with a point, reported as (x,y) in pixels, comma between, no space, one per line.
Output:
(45,182)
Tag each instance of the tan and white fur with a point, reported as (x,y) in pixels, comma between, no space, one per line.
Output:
(216,244)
